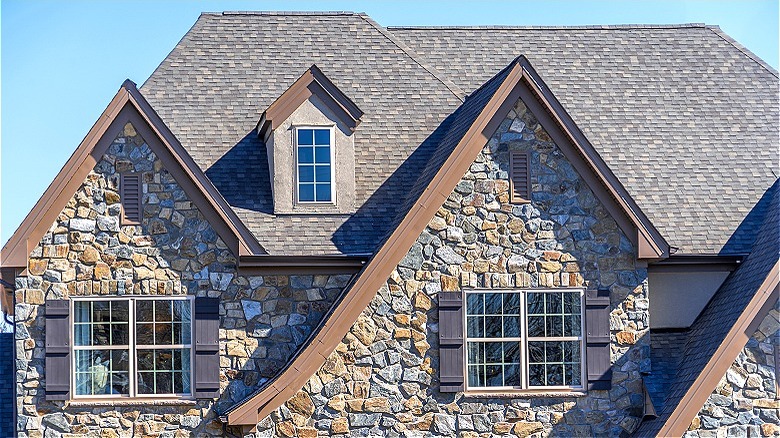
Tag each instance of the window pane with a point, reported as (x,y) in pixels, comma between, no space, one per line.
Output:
(163,311)
(553,301)
(554,325)
(144,310)
(492,326)
(100,334)
(144,334)
(572,374)
(323,173)
(476,375)
(323,192)
(535,303)
(322,136)
(145,360)
(163,334)
(572,325)
(512,376)
(511,352)
(554,351)
(493,304)
(476,352)
(305,155)
(119,311)
(475,304)
(571,302)
(493,352)
(182,311)
(322,154)
(536,375)
(119,334)
(554,375)
(536,326)
(305,136)
(81,310)
(536,352)
(306,173)
(475,327)
(511,304)
(101,311)
(512,326)
(96,372)
(306,193)
(146,383)
(81,334)
(164,383)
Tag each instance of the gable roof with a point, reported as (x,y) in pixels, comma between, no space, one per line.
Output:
(723,328)
(312,82)
(128,105)
(471,127)
(230,67)
(685,117)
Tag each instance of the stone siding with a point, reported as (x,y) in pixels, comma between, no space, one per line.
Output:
(383,377)
(745,403)
(174,251)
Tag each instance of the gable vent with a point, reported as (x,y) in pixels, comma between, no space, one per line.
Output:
(130,194)
(520,176)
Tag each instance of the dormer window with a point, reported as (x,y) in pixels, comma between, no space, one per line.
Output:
(314,151)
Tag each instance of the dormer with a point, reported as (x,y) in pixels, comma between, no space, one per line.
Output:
(309,138)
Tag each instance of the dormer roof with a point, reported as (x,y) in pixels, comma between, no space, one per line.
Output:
(312,82)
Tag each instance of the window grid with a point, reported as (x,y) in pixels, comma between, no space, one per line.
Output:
(478,339)
(314,164)
(131,348)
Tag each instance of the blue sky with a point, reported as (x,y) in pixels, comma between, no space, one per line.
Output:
(61,62)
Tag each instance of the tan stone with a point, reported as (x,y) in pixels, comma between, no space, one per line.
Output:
(527,428)
(339,425)
(626,338)
(417,335)
(360,389)
(286,428)
(449,283)
(364,330)
(34,296)
(695,424)
(515,226)
(301,403)
(37,266)
(90,256)
(769,429)
(402,334)
(491,237)
(143,273)
(766,403)
(337,403)
(377,404)
(102,271)
(236,349)
(401,319)
(334,365)
(550,266)
(502,428)
(111,197)
(307,432)
(108,433)
(437,223)
(422,347)
(355,405)
(422,301)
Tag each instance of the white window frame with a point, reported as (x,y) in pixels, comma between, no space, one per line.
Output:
(332,129)
(133,376)
(524,340)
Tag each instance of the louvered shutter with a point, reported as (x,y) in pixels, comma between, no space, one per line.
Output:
(599,364)
(130,195)
(57,350)
(206,347)
(451,332)
(520,176)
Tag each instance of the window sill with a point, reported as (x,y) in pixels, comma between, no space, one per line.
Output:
(133,402)
(524,394)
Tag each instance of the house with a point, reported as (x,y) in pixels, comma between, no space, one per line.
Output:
(308,224)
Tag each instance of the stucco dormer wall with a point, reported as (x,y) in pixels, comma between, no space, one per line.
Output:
(280,147)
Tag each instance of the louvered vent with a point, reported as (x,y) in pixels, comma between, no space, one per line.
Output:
(520,176)
(130,194)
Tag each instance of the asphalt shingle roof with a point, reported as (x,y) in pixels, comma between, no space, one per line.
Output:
(686,118)
(719,316)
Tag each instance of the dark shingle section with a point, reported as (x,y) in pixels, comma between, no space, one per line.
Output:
(7,384)
(666,349)
(230,67)
(710,328)
(686,118)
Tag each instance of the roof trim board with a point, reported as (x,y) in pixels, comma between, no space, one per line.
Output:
(312,82)
(128,105)
(518,82)
(706,382)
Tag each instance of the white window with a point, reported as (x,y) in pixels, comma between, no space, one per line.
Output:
(530,339)
(314,153)
(132,347)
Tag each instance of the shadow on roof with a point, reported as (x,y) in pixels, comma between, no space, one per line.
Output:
(745,235)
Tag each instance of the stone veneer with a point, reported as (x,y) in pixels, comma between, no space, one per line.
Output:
(175,251)
(382,378)
(745,403)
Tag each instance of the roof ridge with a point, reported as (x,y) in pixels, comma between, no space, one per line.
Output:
(283,13)
(454,89)
(552,27)
(747,52)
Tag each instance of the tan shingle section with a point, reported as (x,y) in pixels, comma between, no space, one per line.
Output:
(686,119)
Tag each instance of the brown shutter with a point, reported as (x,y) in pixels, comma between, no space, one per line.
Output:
(57,350)
(520,176)
(597,352)
(130,195)
(206,348)
(451,332)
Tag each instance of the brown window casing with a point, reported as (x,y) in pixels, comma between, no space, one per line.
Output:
(131,195)
(520,176)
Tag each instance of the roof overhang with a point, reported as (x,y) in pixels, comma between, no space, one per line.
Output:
(313,82)
(521,82)
(128,105)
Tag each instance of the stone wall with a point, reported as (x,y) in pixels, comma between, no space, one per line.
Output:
(382,378)
(745,402)
(175,251)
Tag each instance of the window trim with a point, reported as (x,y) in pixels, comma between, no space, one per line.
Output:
(525,388)
(133,377)
(297,189)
